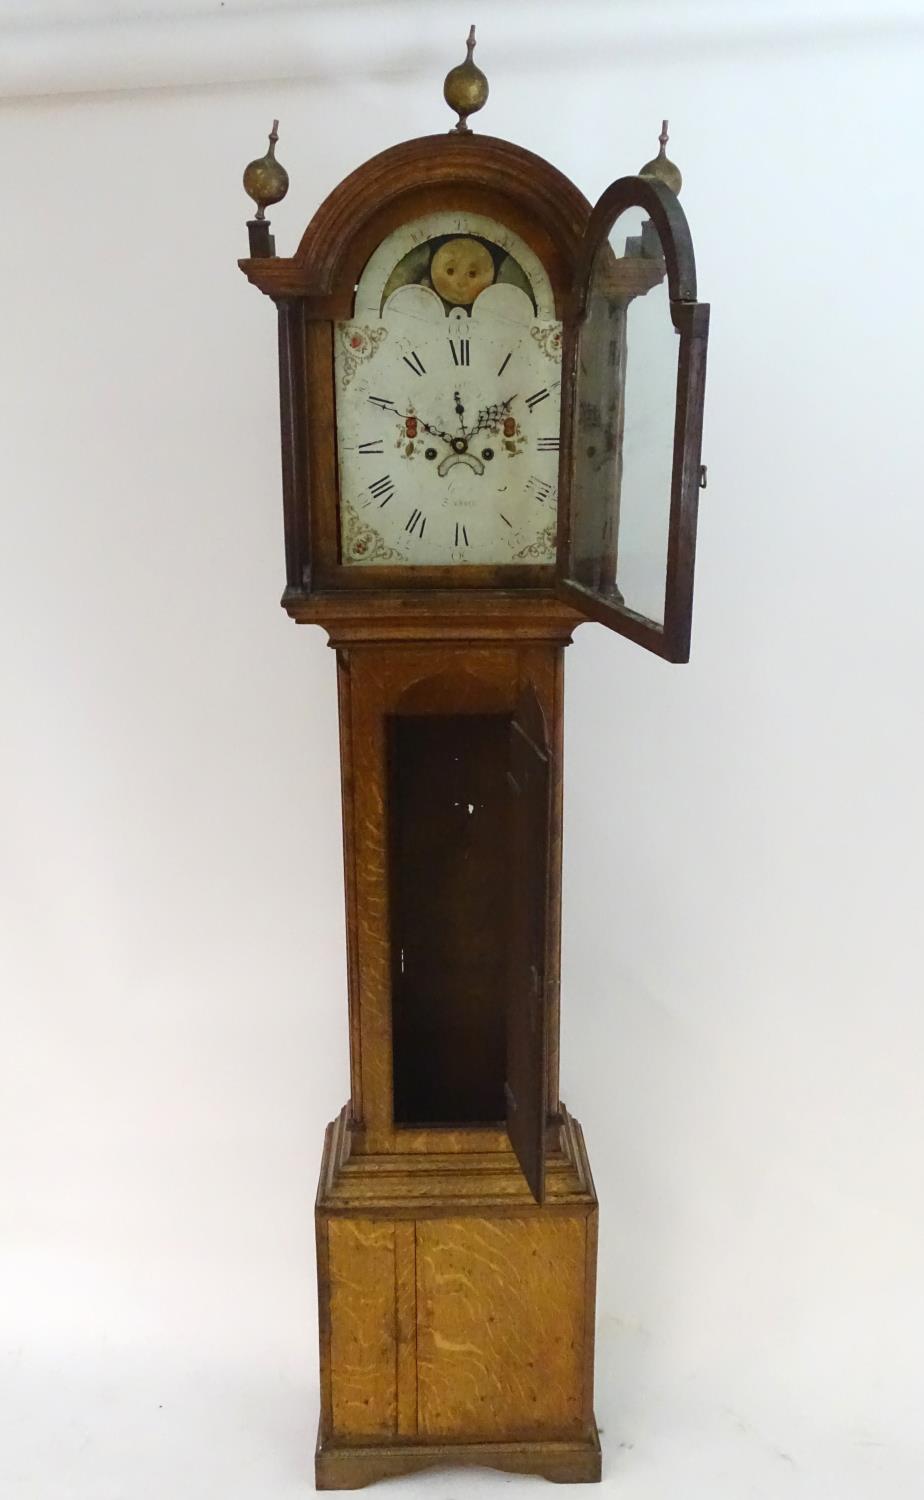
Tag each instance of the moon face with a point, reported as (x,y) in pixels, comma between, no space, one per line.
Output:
(461,269)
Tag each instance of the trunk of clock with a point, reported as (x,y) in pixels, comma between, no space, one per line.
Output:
(456,1214)
(452,839)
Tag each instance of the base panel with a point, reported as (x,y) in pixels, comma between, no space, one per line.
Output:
(352,1468)
(456,1315)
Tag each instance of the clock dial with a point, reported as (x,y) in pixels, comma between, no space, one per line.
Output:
(448,402)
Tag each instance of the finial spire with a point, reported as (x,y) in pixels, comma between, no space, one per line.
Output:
(266,180)
(661,167)
(466,88)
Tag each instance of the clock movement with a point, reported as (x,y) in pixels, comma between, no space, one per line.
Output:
(491,404)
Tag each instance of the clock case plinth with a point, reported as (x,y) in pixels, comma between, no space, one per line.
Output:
(457,1316)
(456,1261)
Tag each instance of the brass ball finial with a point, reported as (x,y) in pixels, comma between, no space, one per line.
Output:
(266,180)
(466,88)
(660,167)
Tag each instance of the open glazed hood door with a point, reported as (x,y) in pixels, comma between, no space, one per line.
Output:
(631,469)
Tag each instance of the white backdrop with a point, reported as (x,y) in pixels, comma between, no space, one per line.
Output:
(743,1027)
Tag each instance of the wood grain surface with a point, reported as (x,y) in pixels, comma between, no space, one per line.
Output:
(363,1341)
(456,1314)
(500,1327)
(575,1461)
(406,1327)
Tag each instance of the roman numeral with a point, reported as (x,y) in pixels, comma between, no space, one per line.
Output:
(505,521)
(539,487)
(382,490)
(506,363)
(384,403)
(461,355)
(533,401)
(415,520)
(464,534)
(415,362)
(547,445)
(376,446)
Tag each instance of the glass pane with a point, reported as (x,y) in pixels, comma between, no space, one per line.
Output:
(624,429)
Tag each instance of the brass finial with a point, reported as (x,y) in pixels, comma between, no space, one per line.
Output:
(266,180)
(660,167)
(466,88)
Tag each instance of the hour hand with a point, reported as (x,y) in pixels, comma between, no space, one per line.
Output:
(433,431)
(436,432)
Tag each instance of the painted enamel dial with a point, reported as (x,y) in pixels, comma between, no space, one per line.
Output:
(448,389)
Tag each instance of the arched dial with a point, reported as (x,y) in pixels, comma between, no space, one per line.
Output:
(449,409)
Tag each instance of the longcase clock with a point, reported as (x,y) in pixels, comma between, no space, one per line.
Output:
(491,401)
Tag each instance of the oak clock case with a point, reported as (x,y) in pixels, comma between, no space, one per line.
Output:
(491,400)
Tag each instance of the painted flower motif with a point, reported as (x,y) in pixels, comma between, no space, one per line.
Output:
(359,344)
(362,543)
(542,549)
(410,426)
(548,337)
(510,426)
